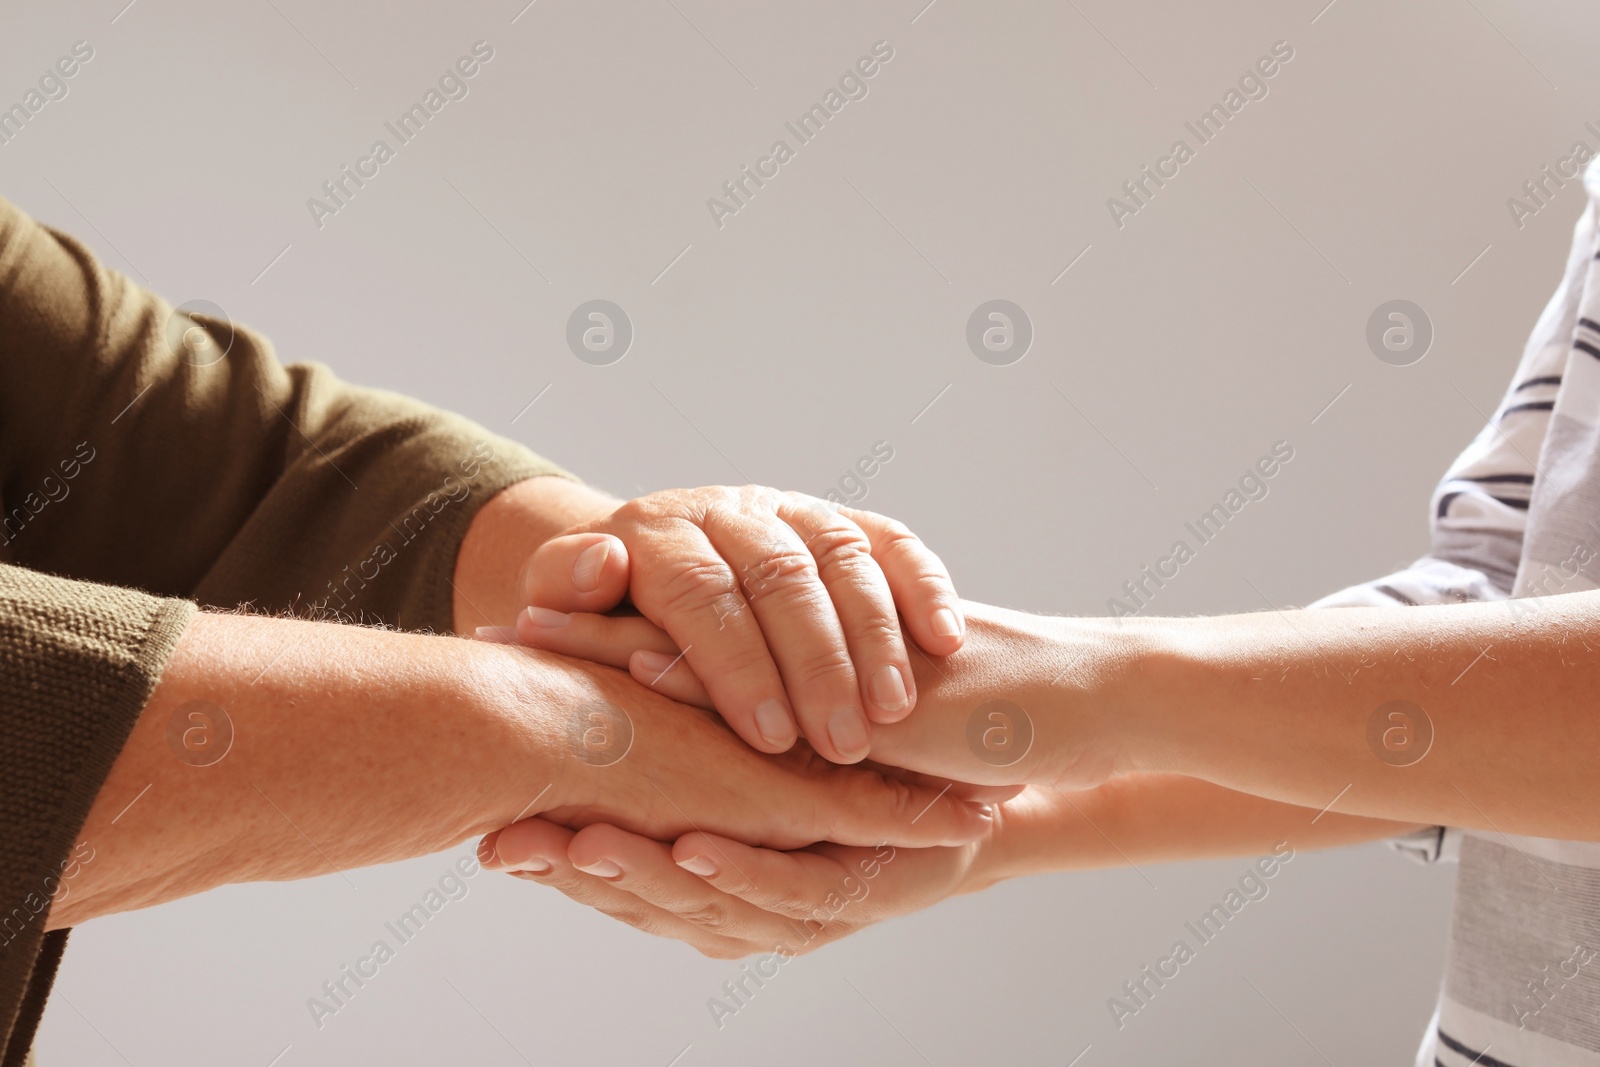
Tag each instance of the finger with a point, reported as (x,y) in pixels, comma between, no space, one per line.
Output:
(863,602)
(697,602)
(670,676)
(795,885)
(645,868)
(542,849)
(576,572)
(919,581)
(631,642)
(600,638)
(869,809)
(782,584)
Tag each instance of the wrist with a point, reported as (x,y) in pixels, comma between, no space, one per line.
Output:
(529,715)
(1072,684)
(318,748)
(1155,694)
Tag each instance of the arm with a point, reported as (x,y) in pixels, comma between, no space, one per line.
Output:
(1279,704)
(147,447)
(1183,738)
(1275,704)
(171,451)
(730,900)
(353,746)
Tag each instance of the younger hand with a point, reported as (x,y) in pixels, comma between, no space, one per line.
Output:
(728,899)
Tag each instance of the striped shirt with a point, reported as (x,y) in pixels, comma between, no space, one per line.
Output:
(1516,517)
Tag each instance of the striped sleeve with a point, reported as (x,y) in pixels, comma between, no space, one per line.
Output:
(1479,512)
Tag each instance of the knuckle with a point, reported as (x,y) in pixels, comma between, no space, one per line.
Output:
(905,548)
(698,586)
(735,885)
(828,665)
(712,915)
(840,547)
(639,918)
(809,516)
(793,906)
(758,498)
(878,631)
(719,498)
(749,659)
(632,513)
(889,800)
(896,536)
(786,572)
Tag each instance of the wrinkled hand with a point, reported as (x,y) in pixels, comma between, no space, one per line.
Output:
(785,605)
(633,758)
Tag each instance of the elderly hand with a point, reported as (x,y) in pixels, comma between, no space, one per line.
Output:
(784,605)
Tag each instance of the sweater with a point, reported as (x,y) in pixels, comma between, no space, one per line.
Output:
(155,460)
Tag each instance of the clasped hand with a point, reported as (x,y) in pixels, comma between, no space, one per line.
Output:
(768,608)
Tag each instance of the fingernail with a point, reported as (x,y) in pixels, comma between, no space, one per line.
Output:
(698,865)
(946,623)
(653,662)
(602,869)
(532,865)
(500,635)
(586,568)
(848,732)
(544,618)
(889,688)
(774,722)
(487,857)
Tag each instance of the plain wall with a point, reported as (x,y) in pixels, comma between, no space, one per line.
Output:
(823,317)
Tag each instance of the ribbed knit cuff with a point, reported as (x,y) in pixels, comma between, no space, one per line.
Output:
(78,663)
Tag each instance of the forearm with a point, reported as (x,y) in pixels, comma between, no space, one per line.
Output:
(1280,704)
(1141,819)
(504,533)
(1290,706)
(349,746)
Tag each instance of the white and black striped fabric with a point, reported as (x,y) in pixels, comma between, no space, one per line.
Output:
(1516,517)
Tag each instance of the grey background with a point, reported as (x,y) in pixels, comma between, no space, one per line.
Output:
(822,318)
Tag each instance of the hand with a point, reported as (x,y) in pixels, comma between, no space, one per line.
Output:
(785,605)
(727,899)
(633,758)
(1038,688)
(343,746)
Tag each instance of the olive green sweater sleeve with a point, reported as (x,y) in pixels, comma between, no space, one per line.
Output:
(150,458)
(172,452)
(78,661)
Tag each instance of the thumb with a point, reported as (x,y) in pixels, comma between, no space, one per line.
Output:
(576,572)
